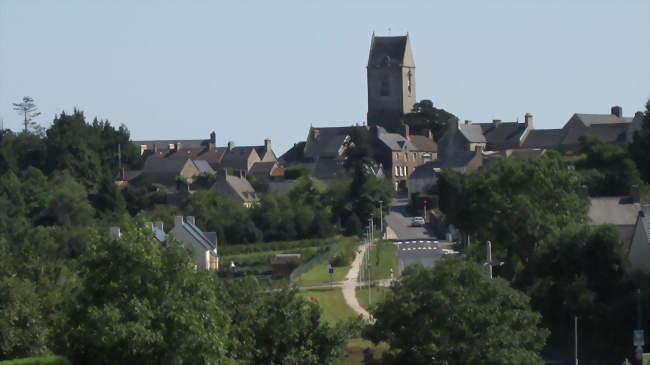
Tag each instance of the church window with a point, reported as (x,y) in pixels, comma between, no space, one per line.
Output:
(385,86)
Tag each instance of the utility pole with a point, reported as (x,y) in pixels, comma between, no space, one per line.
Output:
(489,259)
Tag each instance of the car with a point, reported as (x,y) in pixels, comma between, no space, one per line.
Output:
(417,221)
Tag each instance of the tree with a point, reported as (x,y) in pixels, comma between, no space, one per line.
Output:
(605,168)
(454,314)
(425,116)
(140,303)
(641,145)
(29,111)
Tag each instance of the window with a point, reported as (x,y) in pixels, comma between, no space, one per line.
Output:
(406,171)
(406,156)
(414,156)
(396,171)
(385,86)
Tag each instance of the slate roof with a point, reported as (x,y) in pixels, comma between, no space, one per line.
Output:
(294,155)
(608,133)
(459,160)
(213,157)
(326,141)
(165,163)
(263,168)
(472,132)
(201,237)
(329,168)
(387,50)
(237,187)
(395,141)
(526,152)
(613,210)
(543,138)
(502,132)
(203,166)
(237,158)
(424,143)
(594,119)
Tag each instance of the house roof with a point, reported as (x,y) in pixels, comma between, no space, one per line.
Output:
(613,210)
(201,237)
(395,141)
(163,144)
(326,141)
(526,152)
(458,160)
(161,162)
(424,143)
(502,132)
(329,168)
(608,133)
(543,138)
(203,166)
(387,50)
(237,187)
(294,155)
(594,119)
(472,132)
(213,156)
(237,157)
(263,168)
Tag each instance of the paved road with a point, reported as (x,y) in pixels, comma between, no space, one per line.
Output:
(421,251)
(399,221)
(415,245)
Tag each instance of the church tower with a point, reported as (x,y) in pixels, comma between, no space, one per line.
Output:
(391,81)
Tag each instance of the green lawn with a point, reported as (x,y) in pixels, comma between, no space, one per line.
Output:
(383,257)
(319,274)
(355,348)
(332,302)
(377,294)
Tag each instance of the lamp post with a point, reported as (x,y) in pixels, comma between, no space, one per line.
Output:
(425,211)
(381,218)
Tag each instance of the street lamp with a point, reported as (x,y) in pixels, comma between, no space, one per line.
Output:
(381,219)
(425,210)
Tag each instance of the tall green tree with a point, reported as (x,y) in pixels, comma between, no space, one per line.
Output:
(425,116)
(27,108)
(641,145)
(454,314)
(140,303)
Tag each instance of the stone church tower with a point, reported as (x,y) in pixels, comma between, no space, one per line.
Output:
(391,81)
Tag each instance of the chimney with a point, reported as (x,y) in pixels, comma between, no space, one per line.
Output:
(617,111)
(115,232)
(211,147)
(427,133)
(213,137)
(178,221)
(496,122)
(407,133)
(267,145)
(158,226)
(528,119)
(231,145)
(190,219)
(178,146)
(635,193)
(468,122)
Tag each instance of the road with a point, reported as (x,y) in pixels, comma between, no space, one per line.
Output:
(415,245)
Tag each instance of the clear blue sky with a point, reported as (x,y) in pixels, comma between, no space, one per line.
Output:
(256,69)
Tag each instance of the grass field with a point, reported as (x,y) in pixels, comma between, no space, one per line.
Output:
(319,274)
(332,302)
(355,348)
(383,257)
(377,294)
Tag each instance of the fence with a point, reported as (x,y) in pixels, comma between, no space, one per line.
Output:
(311,263)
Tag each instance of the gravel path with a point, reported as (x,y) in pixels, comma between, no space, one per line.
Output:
(350,285)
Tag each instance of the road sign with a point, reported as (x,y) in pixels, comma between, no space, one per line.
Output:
(637,338)
(330,269)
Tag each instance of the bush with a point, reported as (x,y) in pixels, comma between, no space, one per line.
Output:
(46,360)
(294,172)
(274,246)
(345,253)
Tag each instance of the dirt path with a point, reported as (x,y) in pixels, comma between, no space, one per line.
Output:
(350,284)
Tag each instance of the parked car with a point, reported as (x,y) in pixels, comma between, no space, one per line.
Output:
(417,221)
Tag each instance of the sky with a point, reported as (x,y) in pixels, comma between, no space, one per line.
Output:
(251,70)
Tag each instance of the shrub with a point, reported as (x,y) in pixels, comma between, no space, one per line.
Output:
(345,253)
(295,172)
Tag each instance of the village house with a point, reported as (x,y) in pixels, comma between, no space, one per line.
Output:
(236,187)
(640,242)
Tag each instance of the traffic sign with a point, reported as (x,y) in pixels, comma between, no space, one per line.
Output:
(637,338)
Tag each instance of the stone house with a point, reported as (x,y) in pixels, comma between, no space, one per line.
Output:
(242,159)
(202,244)
(162,169)
(621,211)
(425,177)
(236,187)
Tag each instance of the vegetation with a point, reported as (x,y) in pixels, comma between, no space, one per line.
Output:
(319,274)
(383,258)
(46,360)
(453,313)
(641,145)
(295,172)
(378,294)
(425,116)
(331,301)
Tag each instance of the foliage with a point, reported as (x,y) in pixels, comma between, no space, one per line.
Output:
(425,116)
(276,245)
(515,203)
(295,172)
(46,360)
(453,313)
(140,303)
(605,168)
(345,253)
(333,304)
(383,258)
(641,145)
(29,111)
